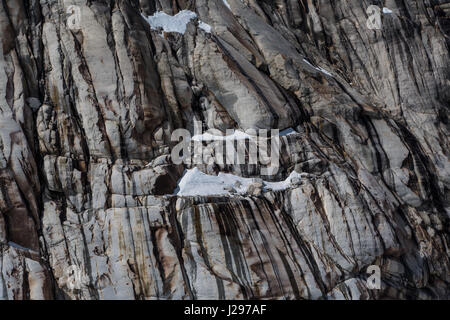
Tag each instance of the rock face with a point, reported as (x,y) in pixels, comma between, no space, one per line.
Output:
(86,175)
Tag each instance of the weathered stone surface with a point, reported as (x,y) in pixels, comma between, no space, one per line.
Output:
(87,181)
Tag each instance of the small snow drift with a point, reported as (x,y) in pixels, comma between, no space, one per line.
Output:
(176,23)
(319,68)
(288,132)
(237,135)
(196,183)
(225,2)
(387,10)
(204,26)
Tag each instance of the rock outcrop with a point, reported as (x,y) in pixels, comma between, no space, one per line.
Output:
(87,181)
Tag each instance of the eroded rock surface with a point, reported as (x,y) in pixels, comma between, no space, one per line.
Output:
(87,181)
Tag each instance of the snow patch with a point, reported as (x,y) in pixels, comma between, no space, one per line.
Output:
(283,185)
(19,247)
(196,183)
(176,23)
(319,68)
(225,2)
(387,10)
(324,71)
(288,132)
(204,26)
(237,135)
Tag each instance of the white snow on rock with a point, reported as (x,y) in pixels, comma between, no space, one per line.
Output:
(324,71)
(204,26)
(283,185)
(176,23)
(225,2)
(387,10)
(318,68)
(196,183)
(18,246)
(237,135)
(288,132)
